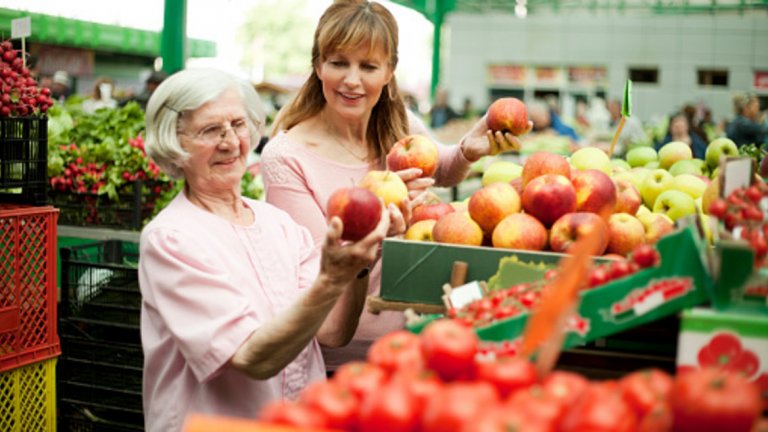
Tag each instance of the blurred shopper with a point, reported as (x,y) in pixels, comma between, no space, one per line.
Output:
(441,112)
(748,127)
(545,120)
(60,86)
(679,130)
(236,298)
(341,125)
(101,95)
(153,81)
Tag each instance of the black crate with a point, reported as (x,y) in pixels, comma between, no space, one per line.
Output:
(77,416)
(23,160)
(135,203)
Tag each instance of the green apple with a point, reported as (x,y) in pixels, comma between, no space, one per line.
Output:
(621,164)
(719,148)
(674,204)
(714,174)
(652,165)
(641,156)
(591,158)
(501,171)
(691,185)
(672,152)
(687,166)
(656,182)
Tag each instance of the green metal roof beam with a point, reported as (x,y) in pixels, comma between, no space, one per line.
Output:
(56,30)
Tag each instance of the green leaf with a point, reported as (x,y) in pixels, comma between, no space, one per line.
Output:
(626,104)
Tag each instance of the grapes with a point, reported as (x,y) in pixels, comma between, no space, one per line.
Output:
(19,94)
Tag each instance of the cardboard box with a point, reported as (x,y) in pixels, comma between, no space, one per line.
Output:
(680,281)
(416,271)
(736,341)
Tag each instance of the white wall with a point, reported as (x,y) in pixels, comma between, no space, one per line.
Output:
(676,45)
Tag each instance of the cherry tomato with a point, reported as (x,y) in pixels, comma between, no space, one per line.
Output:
(646,256)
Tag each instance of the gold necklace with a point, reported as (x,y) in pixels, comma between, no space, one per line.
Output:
(331,130)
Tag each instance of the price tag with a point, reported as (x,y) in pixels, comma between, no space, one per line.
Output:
(465,294)
(736,173)
(21,27)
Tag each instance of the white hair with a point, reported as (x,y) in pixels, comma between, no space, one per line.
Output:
(185,91)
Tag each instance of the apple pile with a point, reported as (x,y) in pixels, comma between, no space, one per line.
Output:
(743,217)
(510,302)
(19,94)
(443,381)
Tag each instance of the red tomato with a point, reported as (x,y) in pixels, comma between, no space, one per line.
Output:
(292,414)
(423,385)
(507,374)
(619,269)
(449,348)
(710,399)
(536,404)
(391,409)
(506,420)
(397,350)
(718,208)
(458,404)
(646,256)
(360,377)
(336,403)
(565,386)
(597,276)
(643,389)
(600,408)
(658,419)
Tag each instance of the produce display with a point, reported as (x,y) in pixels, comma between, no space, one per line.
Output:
(445,380)
(742,214)
(19,94)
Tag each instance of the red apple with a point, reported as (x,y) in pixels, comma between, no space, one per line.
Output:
(489,205)
(626,232)
(414,151)
(548,197)
(388,186)
(508,115)
(572,226)
(520,231)
(359,210)
(628,198)
(457,228)
(430,211)
(595,192)
(544,163)
(421,230)
(656,226)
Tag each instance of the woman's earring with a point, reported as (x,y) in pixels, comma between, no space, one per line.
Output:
(389,92)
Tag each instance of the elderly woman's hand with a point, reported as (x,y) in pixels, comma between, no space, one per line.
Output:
(481,141)
(341,261)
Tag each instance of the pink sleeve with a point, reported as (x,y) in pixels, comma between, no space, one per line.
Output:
(286,189)
(453,166)
(208,317)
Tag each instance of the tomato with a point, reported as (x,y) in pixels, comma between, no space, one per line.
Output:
(423,385)
(565,386)
(390,409)
(292,414)
(657,419)
(449,348)
(600,408)
(537,404)
(336,403)
(507,374)
(360,377)
(646,256)
(397,350)
(597,276)
(458,404)
(506,420)
(644,388)
(619,269)
(718,208)
(714,400)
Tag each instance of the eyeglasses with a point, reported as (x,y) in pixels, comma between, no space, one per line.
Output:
(216,133)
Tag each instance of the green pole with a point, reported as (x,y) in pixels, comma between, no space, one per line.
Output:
(437,20)
(173,41)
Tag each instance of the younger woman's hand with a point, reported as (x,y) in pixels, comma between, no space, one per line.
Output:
(415,183)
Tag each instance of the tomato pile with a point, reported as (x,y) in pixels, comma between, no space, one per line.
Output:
(441,381)
(19,94)
(741,213)
(521,298)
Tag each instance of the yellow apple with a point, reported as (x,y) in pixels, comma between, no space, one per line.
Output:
(690,184)
(421,230)
(386,185)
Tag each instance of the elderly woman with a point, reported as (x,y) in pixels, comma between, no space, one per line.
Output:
(236,298)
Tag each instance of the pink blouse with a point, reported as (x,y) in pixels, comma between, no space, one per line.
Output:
(207,285)
(300,182)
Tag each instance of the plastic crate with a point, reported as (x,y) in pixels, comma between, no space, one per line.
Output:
(135,203)
(28,398)
(27,285)
(23,159)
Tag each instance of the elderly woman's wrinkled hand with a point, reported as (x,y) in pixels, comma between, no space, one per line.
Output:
(342,261)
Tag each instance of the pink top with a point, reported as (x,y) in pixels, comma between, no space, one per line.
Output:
(207,284)
(300,182)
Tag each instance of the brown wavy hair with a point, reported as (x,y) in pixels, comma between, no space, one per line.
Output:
(346,25)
